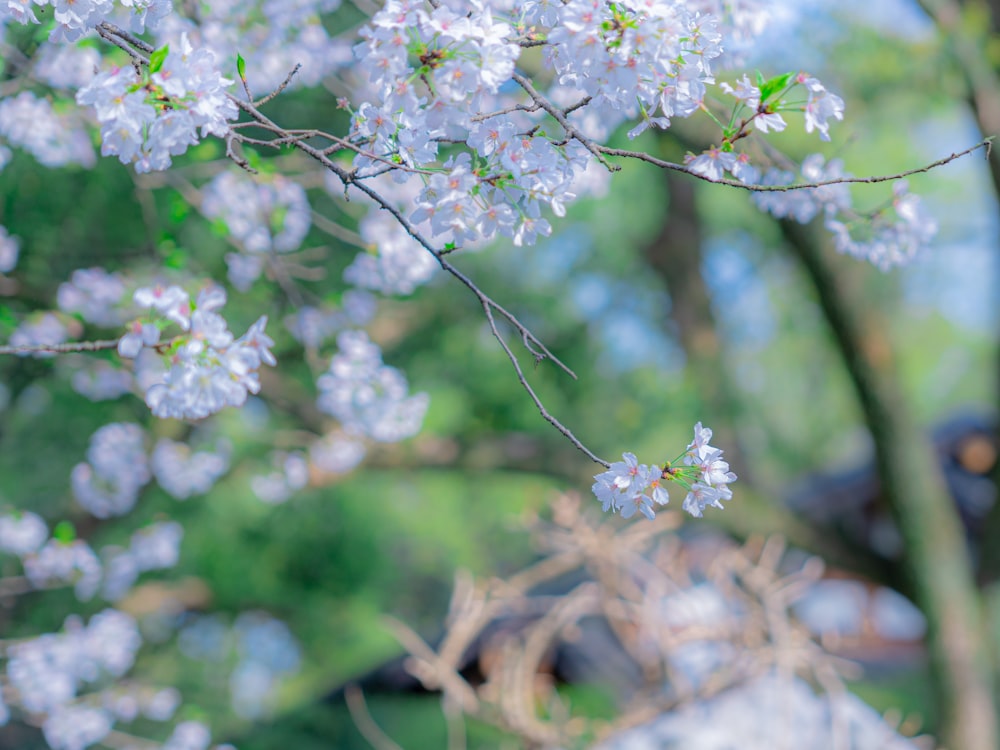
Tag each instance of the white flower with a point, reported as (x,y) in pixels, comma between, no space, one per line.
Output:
(145,122)
(9,249)
(182,472)
(712,164)
(64,563)
(820,107)
(22,533)
(629,487)
(109,484)
(368,397)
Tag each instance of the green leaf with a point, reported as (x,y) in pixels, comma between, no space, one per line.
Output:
(158,57)
(207,150)
(241,67)
(179,209)
(278,218)
(64,532)
(758,79)
(774,86)
(254,159)
(173,256)
(219,228)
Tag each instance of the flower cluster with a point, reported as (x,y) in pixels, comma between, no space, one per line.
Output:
(75,19)
(759,108)
(64,66)
(55,139)
(650,60)
(636,57)
(182,472)
(69,727)
(740,21)
(263,217)
(368,397)
(336,454)
(882,239)
(58,561)
(10,248)
(155,547)
(804,205)
(268,653)
(62,562)
(393,261)
(395,264)
(190,735)
(41,329)
(291,475)
(98,380)
(462,58)
(885,242)
(93,293)
(207,368)
(108,483)
(733,717)
(264,649)
(149,118)
(629,487)
(45,673)
(272,35)
(22,533)
(462,54)
(312,326)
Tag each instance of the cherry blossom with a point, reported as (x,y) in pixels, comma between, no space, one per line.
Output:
(146,120)
(629,487)
(366,396)
(456,147)
(208,368)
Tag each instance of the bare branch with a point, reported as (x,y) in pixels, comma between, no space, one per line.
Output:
(371,731)
(125,36)
(75,346)
(531,392)
(754,188)
(281,87)
(560,117)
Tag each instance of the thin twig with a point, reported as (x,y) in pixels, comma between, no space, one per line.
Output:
(757,188)
(75,346)
(559,117)
(363,720)
(281,86)
(534,397)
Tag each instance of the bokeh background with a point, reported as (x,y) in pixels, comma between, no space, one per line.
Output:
(673,301)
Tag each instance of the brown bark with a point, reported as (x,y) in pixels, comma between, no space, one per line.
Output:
(970,29)
(935,553)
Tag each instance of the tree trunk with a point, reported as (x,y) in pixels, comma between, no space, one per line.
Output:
(935,553)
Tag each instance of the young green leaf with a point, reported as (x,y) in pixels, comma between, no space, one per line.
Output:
(64,532)
(774,86)
(157,58)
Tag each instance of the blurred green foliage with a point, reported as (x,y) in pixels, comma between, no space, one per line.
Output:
(388,538)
